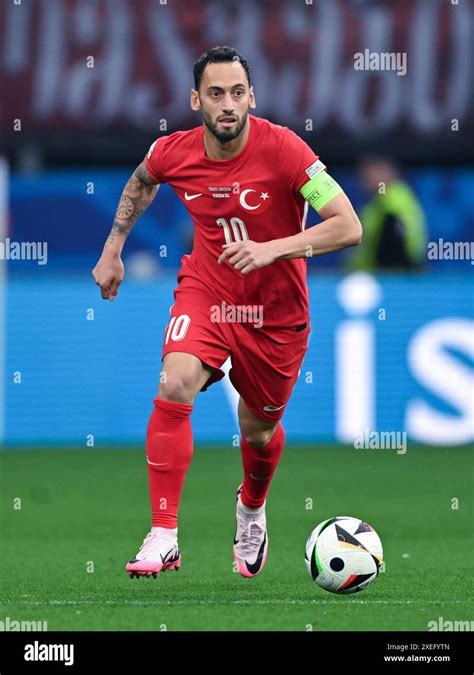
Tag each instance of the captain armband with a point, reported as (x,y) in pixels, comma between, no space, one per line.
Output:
(320,190)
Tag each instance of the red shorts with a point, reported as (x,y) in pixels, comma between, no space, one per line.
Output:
(265,364)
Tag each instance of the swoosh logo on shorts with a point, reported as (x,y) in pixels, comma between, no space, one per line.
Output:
(269,408)
(155,464)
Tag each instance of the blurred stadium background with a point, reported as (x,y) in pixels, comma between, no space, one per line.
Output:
(88,85)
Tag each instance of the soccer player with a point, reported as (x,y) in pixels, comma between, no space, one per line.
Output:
(247,184)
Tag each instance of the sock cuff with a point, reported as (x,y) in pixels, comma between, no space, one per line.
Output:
(179,410)
(169,532)
(246,509)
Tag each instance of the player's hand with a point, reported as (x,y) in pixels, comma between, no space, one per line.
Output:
(108,274)
(248,255)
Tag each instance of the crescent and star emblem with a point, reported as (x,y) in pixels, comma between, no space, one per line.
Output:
(243,199)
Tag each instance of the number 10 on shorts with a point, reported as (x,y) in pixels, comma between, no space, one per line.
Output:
(177,328)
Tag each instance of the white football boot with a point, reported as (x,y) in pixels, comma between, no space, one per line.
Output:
(159,552)
(251,539)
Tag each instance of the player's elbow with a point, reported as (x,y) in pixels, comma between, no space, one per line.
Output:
(357,234)
(353,231)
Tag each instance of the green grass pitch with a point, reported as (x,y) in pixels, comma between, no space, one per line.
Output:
(84,513)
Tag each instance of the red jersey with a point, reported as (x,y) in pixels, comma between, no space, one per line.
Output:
(255,196)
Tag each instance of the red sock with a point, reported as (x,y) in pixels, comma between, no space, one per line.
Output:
(259,466)
(169,449)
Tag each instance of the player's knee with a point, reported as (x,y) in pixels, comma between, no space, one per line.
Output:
(178,388)
(258,437)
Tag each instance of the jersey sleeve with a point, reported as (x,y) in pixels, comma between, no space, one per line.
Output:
(155,163)
(299,162)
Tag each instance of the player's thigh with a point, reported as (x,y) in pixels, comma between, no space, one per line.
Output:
(194,346)
(264,372)
(183,376)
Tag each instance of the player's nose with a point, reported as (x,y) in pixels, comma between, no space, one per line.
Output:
(228,108)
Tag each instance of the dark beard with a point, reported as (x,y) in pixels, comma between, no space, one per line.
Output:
(224,136)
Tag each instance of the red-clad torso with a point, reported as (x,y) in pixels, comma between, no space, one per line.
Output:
(255,196)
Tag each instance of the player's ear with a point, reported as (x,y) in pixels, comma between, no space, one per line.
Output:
(194,100)
(252,102)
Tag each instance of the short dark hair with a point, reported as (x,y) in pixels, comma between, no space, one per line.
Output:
(218,55)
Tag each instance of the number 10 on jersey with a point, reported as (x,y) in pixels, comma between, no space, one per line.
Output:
(235,228)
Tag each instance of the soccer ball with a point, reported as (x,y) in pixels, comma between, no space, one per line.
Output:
(343,555)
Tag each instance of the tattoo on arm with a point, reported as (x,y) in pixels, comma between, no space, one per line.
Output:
(137,195)
(143,176)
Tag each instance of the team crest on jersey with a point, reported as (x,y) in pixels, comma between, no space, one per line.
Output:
(254,199)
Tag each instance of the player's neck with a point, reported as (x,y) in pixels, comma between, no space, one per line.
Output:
(216,150)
